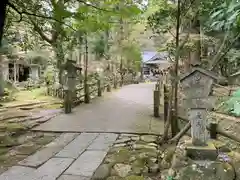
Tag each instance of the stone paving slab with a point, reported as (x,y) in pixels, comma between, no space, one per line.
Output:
(129,109)
(78,145)
(51,170)
(72,177)
(48,151)
(16,173)
(103,141)
(86,164)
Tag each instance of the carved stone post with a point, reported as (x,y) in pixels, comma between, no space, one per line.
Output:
(69,91)
(197,86)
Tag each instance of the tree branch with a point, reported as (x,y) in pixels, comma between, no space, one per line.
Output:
(21,13)
(218,58)
(93,6)
(40,32)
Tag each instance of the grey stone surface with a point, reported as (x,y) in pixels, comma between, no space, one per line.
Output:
(51,170)
(78,145)
(103,141)
(16,173)
(48,151)
(72,177)
(127,110)
(86,164)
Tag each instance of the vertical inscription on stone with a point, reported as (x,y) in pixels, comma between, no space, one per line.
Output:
(198,117)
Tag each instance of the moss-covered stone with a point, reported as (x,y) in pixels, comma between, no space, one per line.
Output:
(134,177)
(115,178)
(121,156)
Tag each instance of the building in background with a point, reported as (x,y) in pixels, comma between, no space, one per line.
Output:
(154,62)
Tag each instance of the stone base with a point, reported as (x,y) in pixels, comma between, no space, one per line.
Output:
(208,152)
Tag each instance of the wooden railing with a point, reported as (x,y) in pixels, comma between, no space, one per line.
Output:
(82,93)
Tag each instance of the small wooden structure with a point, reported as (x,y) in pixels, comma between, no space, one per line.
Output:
(197,86)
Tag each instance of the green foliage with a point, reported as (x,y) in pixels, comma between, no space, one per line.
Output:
(163,19)
(226,16)
(132,54)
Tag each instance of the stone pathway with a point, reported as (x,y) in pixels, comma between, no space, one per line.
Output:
(126,110)
(89,133)
(70,156)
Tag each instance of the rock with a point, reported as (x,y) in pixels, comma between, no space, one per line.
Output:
(143,146)
(135,138)
(179,158)
(221,146)
(152,144)
(153,160)
(122,170)
(119,145)
(114,178)
(132,158)
(171,172)
(154,168)
(145,170)
(207,171)
(149,138)
(123,140)
(164,164)
(235,156)
(137,170)
(134,177)
(102,172)
(225,171)
(142,155)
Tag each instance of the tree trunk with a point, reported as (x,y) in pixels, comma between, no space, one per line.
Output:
(59,54)
(2,18)
(1,78)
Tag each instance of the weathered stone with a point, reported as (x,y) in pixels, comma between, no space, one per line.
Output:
(72,177)
(153,160)
(121,156)
(119,145)
(235,161)
(102,172)
(86,164)
(133,177)
(225,171)
(123,140)
(145,170)
(208,152)
(164,164)
(154,168)
(122,170)
(77,146)
(135,138)
(152,144)
(179,158)
(208,171)
(149,138)
(221,146)
(167,157)
(114,178)
(51,169)
(116,149)
(143,146)
(103,141)
(137,170)
(132,158)
(16,172)
(48,151)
